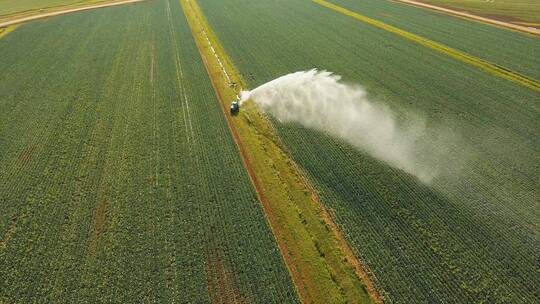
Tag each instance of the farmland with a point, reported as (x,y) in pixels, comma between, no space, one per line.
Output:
(10,9)
(120,181)
(472,234)
(518,11)
(125,178)
(504,48)
(7,7)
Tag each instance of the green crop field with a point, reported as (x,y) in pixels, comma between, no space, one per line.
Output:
(15,7)
(472,234)
(119,179)
(505,48)
(125,179)
(515,10)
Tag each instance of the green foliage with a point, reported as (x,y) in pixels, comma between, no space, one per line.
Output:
(120,181)
(472,234)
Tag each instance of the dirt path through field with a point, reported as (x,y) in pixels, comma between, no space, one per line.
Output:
(526,29)
(65,11)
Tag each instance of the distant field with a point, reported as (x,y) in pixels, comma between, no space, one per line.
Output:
(512,50)
(470,236)
(14,6)
(120,181)
(510,10)
(17,7)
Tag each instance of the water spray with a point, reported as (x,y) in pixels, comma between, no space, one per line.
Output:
(321,101)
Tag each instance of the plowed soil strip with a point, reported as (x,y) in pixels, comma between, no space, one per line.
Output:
(495,70)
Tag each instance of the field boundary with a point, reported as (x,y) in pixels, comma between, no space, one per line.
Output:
(65,11)
(451,52)
(470,16)
(224,83)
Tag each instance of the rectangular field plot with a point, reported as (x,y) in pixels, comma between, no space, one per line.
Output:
(13,8)
(119,179)
(527,11)
(507,48)
(471,234)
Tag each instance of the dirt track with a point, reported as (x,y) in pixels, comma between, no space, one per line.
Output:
(526,29)
(64,11)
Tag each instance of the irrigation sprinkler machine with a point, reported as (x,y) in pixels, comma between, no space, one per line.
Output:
(235,106)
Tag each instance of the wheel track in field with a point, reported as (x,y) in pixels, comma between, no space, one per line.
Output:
(9,233)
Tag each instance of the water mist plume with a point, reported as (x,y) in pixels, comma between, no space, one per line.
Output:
(320,101)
